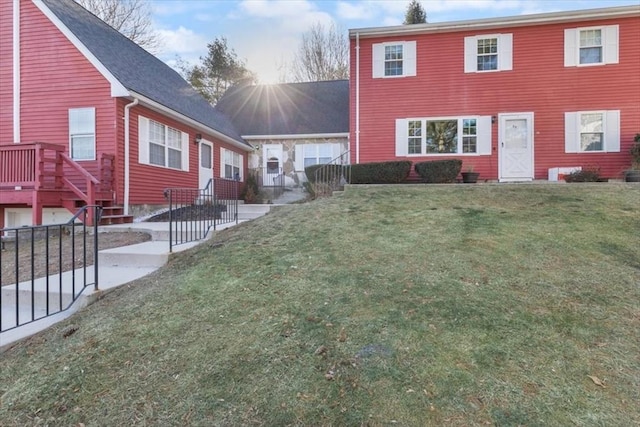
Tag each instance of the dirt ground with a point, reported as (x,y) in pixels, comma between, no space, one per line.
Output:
(54,260)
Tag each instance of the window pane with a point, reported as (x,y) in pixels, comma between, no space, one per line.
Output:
(156,154)
(310,161)
(393,60)
(82,147)
(487,54)
(516,134)
(591,132)
(591,122)
(325,150)
(486,46)
(175,159)
(81,120)
(590,38)
(590,46)
(591,141)
(469,136)
(591,55)
(442,136)
(174,138)
(415,137)
(156,132)
(324,160)
(487,62)
(205,156)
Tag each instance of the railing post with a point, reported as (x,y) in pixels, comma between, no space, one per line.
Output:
(97,214)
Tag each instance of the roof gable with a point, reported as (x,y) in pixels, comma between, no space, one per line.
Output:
(289,108)
(136,69)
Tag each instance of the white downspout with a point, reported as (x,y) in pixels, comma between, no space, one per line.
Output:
(16,71)
(357,98)
(127,143)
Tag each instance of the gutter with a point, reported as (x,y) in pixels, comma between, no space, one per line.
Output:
(357,98)
(496,23)
(127,144)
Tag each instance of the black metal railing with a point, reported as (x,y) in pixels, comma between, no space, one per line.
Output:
(193,212)
(333,176)
(44,269)
(270,180)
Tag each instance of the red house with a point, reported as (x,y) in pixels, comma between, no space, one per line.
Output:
(513,97)
(87,116)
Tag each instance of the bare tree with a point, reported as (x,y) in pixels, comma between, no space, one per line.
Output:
(323,54)
(132,18)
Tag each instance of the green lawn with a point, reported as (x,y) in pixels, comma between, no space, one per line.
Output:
(409,305)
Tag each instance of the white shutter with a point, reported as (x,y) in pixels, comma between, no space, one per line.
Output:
(402,137)
(409,58)
(612,131)
(484,130)
(378,60)
(299,161)
(571,47)
(222,150)
(470,55)
(185,151)
(143,140)
(570,132)
(505,52)
(610,36)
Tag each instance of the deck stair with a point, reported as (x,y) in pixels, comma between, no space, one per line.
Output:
(111,213)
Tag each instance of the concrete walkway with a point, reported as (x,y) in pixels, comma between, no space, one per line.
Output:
(117,266)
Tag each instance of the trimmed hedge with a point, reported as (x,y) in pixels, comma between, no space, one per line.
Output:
(380,173)
(370,173)
(439,171)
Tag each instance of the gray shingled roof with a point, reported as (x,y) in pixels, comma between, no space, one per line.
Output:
(289,108)
(138,70)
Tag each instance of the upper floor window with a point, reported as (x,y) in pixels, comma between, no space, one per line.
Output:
(592,131)
(394,59)
(488,53)
(450,135)
(82,133)
(591,46)
(162,145)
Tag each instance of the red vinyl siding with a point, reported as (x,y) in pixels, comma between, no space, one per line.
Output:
(6,72)
(538,83)
(147,182)
(55,76)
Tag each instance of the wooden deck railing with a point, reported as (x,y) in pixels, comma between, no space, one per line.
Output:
(41,166)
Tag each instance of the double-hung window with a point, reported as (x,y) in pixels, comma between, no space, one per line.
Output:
(488,53)
(591,46)
(231,165)
(394,59)
(162,145)
(82,133)
(446,136)
(592,131)
(317,154)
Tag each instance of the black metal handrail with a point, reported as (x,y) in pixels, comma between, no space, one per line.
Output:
(48,268)
(333,176)
(193,212)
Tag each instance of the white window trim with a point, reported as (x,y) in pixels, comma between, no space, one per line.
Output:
(409,56)
(611,131)
(505,53)
(144,142)
(610,45)
(93,111)
(483,136)
(336,152)
(223,163)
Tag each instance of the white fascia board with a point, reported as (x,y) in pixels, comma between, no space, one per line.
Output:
(298,136)
(496,23)
(156,106)
(117,88)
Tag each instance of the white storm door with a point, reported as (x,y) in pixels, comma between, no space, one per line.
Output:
(516,147)
(205,163)
(271,163)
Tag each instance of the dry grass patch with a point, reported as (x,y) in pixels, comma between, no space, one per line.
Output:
(415,305)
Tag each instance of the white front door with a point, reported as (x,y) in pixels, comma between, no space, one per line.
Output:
(206,163)
(516,147)
(271,163)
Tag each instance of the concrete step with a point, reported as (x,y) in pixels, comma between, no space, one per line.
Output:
(247,212)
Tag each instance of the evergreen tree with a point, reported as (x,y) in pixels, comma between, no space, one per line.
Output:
(415,14)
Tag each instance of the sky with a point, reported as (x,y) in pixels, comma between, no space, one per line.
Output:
(265,34)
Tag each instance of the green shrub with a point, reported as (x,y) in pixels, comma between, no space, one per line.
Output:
(251,192)
(380,173)
(585,175)
(439,171)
